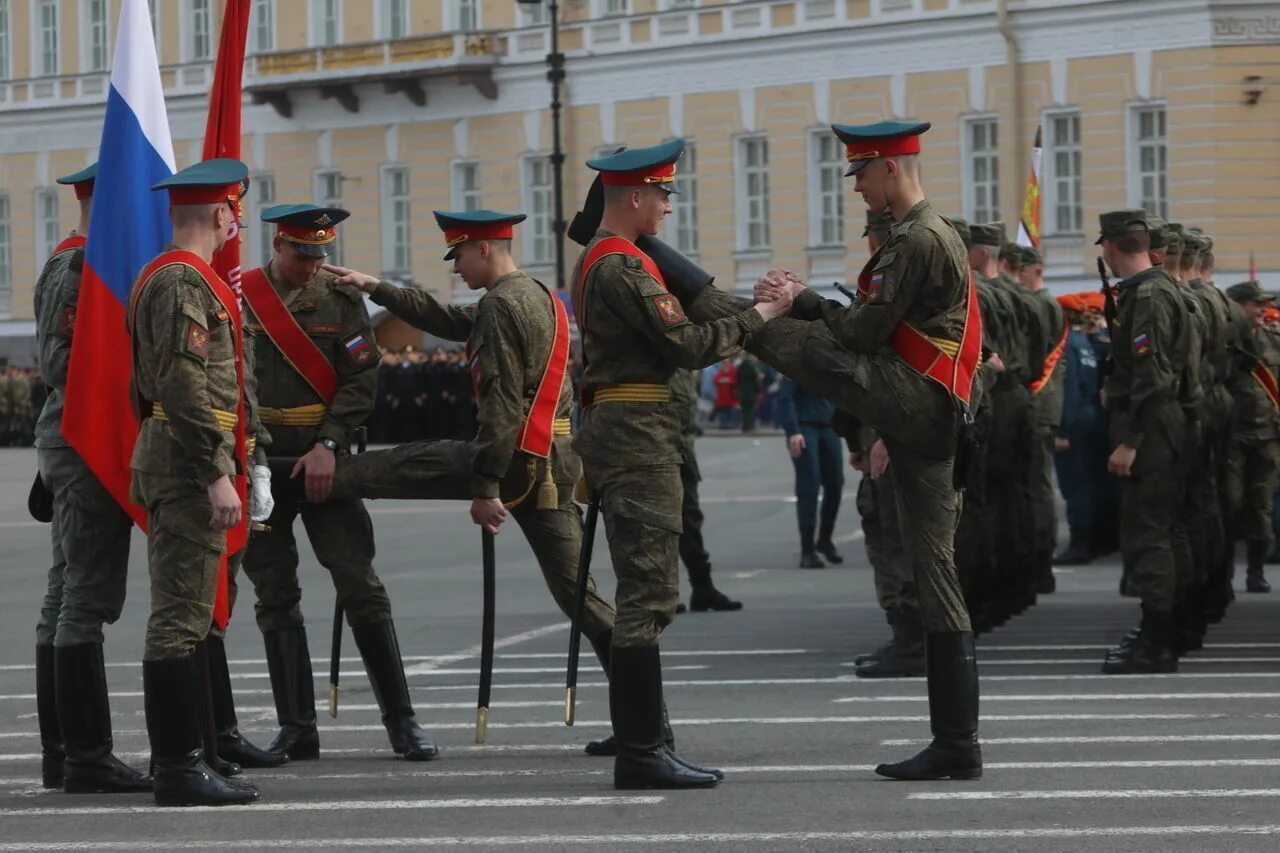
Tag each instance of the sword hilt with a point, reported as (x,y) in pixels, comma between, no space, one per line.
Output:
(482,723)
(569,695)
(333,700)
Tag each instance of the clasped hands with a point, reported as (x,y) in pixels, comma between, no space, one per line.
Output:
(778,285)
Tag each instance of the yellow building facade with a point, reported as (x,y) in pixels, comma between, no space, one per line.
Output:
(392,108)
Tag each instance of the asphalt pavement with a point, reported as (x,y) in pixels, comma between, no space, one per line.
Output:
(1075,760)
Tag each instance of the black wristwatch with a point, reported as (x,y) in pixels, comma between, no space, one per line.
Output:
(330,444)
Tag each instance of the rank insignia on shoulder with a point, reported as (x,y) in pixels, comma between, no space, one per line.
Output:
(1142,344)
(358,348)
(669,309)
(197,341)
(631,262)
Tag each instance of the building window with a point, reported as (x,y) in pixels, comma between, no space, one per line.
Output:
(6,255)
(264,26)
(466,15)
(609,8)
(397,20)
(328,193)
(1064,173)
(684,203)
(262,191)
(5,71)
(753,205)
(47,38)
(1151,159)
(466,186)
(96,22)
(396,223)
(327,21)
(827,224)
(48,231)
(982,170)
(534,16)
(680,4)
(199,39)
(538,239)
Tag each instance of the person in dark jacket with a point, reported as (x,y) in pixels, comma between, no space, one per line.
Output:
(1081,437)
(819,462)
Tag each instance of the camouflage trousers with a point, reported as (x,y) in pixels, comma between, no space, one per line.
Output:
(441,470)
(183,554)
(877,505)
(1253,470)
(1008,480)
(913,415)
(90,533)
(693,550)
(976,532)
(341,534)
(1153,538)
(1044,507)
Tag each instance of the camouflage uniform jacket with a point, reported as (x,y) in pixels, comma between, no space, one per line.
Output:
(57,292)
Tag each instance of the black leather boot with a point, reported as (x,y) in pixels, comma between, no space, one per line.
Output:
(293,687)
(173,698)
(953,714)
(1256,579)
(825,546)
(637,710)
(808,556)
(1045,583)
(85,716)
(608,746)
(890,615)
(51,755)
(905,656)
(381,654)
(706,597)
(1151,651)
(232,746)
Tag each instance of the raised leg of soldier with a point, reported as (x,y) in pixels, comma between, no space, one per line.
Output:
(51,754)
(928,509)
(183,555)
(419,470)
(641,509)
(903,655)
(271,563)
(693,551)
(341,534)
(93,542)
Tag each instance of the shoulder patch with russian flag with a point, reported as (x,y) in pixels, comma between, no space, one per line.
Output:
(358,348)
(1142,344)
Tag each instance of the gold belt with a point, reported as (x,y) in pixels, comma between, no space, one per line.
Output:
(226,420)
(951,348)
(312,415)
(631,392)
(562,426)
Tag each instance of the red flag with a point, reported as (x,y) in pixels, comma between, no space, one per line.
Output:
(222,139)
(1029,225)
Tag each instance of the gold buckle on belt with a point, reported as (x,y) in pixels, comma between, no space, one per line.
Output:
(226,420)
(312,415)
(631,392)
(562,426)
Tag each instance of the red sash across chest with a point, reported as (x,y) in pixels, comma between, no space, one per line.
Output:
(75,241)
(1267,381)
(1051,360)
(294,344)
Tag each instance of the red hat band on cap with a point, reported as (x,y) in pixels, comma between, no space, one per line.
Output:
(663,174)
(884,146)
(84,190)
(303,234)
(179,196)
(478,231)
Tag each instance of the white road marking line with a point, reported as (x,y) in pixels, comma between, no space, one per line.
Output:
(349,806)
(668,840)
(850,537)
(1074,739)
(497,670)
(982,662)
(1211,647)
(1068,697)
(1117,794)
(474,651)
(745,575)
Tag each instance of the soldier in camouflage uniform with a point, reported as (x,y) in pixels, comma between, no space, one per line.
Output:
(193,442)
(915,303)
(510,334)
(1254,464)
(90,553)
(315,361)
(693,551)
(1145,391)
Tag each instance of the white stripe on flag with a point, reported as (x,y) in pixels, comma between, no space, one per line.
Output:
(135,76)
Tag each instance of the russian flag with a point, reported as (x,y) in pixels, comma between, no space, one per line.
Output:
(129,226)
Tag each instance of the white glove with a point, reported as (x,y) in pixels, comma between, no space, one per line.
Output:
(261,503)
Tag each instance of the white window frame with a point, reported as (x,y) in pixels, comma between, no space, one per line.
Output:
(611,8)
(533,16)
(1133,155)
(1049,174)
(319,24)
(86,36)
(537,232)
(38,67)
(742,200)
(261,184)
(462,195)
(453,15)
(390,239)
(384,21)
(256,28)
(968,152)
(672,5)
(6,41)
(322,181)
(6,257)
(48,231)
(684,203)
(818,138)
(189,32)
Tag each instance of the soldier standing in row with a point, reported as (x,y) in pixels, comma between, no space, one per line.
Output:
(90,553)
(188,463)
(316,360)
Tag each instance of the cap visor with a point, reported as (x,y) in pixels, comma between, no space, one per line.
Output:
(451,254)
(1098,242)
(311,250)
(855,167)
